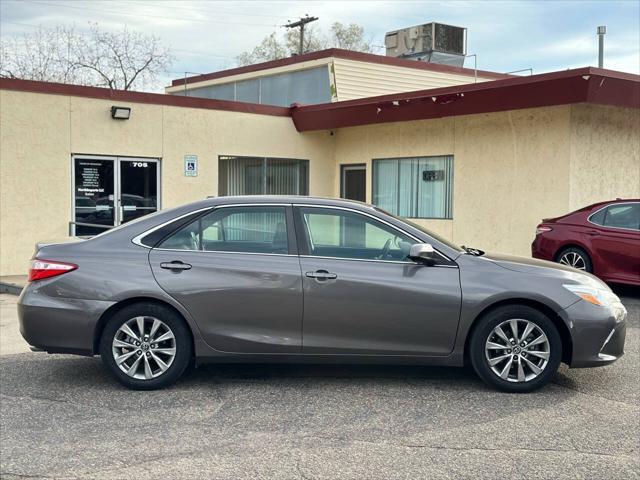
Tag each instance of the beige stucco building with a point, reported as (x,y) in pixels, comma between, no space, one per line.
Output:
(479,158)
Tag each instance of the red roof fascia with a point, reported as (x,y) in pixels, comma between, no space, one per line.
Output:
(139,97)
(557,88)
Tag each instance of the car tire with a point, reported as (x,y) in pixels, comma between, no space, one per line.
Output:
(162,351)
(521,363)
(575,257)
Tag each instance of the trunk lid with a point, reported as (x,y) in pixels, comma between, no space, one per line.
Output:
(59,241)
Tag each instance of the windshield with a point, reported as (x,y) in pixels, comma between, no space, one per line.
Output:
(424,230)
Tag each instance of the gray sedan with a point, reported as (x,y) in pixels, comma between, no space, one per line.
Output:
(300,279)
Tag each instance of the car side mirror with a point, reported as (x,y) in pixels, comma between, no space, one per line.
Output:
(423,252)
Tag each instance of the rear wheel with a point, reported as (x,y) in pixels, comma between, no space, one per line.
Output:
(146,346)
(515,349)
(575,257)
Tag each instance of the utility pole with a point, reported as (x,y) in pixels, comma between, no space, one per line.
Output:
(601,32)
(301,23)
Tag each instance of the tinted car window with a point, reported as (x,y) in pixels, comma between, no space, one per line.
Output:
(625,215)
(241,229)
(343,234)
(598,217)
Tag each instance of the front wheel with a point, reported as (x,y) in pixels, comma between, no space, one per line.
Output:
(146,346)
(515,349)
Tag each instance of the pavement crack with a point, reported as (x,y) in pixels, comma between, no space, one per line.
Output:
(599,397)
(4,474)
(301,473)
(528,450)
(55,400)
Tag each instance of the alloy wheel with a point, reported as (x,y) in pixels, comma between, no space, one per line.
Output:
(517,350)
(144,347)
(574,260)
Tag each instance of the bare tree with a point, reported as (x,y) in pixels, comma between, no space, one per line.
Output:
(42,55)
(348,37)
(314,40)
(119,60)
(268,49)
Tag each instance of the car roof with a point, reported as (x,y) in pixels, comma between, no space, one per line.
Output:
(299,199)
(617,200)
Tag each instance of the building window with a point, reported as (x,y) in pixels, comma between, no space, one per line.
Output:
(416,187)
(307,87)
(262,176)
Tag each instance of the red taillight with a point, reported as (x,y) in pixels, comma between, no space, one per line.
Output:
(48,268)
(542,229)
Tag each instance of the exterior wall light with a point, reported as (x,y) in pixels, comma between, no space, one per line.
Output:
(120,113)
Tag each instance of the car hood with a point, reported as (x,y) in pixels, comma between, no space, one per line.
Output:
(544,268)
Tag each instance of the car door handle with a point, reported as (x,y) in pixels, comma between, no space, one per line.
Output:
(321,275)
(175,265)
(593,233)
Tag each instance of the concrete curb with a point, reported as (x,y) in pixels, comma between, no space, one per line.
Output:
(10,288)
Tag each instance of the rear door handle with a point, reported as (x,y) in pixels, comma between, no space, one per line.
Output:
(321,275)
(593,233)
(175,265)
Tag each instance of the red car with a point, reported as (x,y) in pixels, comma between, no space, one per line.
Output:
(603,239)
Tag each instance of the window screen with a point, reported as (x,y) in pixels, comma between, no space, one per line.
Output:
(262,176)
(417,187)
(307,87)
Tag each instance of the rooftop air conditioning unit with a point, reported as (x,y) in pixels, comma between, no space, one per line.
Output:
(431,42)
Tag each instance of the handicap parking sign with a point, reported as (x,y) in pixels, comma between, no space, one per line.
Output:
(190,165)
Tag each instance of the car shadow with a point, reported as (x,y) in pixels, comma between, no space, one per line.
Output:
(626,291)
(64,372)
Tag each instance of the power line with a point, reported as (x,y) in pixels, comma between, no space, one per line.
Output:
(100,10)
(213,12)
(300,24)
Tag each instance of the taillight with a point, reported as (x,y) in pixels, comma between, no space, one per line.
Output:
(542,229)
(48,268)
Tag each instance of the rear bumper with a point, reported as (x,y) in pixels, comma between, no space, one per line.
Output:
(598,334)
(543,248)
(58,324)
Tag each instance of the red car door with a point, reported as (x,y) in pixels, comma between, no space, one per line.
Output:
(616,243)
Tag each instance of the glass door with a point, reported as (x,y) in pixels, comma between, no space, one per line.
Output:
(94,195)
(109,191)
(353,182)
(138,188)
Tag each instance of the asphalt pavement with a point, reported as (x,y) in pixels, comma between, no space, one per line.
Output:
(63,417)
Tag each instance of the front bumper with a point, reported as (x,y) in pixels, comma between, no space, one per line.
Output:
(58,324)
(598,333)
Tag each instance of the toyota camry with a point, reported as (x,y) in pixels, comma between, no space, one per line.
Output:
(301,279)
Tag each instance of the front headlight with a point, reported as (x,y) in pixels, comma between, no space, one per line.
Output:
(597,296)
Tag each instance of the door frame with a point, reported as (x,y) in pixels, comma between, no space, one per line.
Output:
(117,184)
(344,167)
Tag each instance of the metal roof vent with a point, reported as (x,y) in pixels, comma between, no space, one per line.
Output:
(432,42)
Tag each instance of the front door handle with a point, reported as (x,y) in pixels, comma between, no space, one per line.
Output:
(175,265)
(321,275)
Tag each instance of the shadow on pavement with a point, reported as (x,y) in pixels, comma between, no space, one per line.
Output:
(626,291)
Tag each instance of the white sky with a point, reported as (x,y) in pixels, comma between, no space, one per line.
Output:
(506,35)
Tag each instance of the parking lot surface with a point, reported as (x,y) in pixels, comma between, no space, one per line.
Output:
(63,417)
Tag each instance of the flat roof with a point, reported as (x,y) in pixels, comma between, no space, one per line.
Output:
(339,53)
(582,85)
